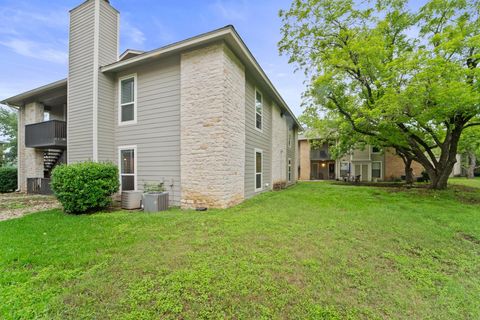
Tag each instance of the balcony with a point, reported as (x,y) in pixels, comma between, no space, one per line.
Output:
(48,134)
(320,154)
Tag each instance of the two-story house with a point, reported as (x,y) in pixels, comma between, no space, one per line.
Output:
(363,164)
(199,115)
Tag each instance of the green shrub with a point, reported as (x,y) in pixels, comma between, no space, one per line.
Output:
(85,187)
(8,179)
(279,185)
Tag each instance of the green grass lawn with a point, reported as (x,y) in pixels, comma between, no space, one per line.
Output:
(314,251)
(466,182)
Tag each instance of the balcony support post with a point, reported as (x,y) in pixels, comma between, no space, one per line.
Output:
(30,160)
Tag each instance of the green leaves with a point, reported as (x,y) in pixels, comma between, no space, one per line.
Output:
(84,187)
(8,129)
(402,79)
(8,179)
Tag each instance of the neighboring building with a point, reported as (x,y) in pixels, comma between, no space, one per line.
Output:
(369,164)
(199,115)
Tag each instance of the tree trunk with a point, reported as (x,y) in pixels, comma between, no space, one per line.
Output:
(472,164)
(439,169)
(408,170)
(439,176)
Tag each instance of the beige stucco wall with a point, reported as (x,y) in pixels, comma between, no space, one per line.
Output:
(30,160)
(279,145)
(212,128)
(304,158)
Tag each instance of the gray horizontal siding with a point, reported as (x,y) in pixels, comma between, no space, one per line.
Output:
(157,132)
(80,87)
(257,140)
(108,53)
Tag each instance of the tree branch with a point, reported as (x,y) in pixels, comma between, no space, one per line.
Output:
(472,124)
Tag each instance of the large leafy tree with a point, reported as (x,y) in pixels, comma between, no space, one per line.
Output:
(8,132)
(397,78)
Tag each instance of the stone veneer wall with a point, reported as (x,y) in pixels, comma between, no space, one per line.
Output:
(30,160)
(279,144)
(212,128)
(304,156)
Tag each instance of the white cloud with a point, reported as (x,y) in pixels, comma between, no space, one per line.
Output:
(36,50)
(230,10)
(35,32)
(16,20)
(163,33)
(133,35)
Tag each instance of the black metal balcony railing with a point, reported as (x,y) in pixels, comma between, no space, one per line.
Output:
(319,154)
(48,134)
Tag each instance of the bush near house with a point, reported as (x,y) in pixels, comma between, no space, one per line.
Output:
(8,179)
(85,187)
(279,185)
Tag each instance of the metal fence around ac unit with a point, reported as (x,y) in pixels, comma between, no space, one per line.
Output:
(39,186)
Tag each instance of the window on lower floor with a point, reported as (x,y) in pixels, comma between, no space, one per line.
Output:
(376,169)
(344,169)
(258,170)
(289,170)
(127,169)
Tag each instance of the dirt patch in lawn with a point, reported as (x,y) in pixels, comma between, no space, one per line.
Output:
(470,238)
(16,205)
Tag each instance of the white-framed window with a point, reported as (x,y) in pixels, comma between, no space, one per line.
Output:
(376,150)
(258,170)
(377,169)
(344,169)
(289,170)
(127,98)
(290,137)
(258,110)
(127,162)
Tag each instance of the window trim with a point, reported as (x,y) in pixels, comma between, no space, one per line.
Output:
(289,169)
(135,160)
(381,170)
(255,170)
(255,109)
(290,137)
(135,96)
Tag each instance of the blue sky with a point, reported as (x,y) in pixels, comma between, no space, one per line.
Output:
(34,36)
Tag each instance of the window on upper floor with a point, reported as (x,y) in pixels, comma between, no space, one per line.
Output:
(127,112)
(258,110)
(290,138)
(376,150)
(46,115)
